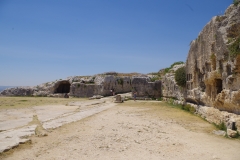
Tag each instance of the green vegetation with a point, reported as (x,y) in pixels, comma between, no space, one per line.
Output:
(236,2)
(234,48)
(180,77)
(176,63)
(24,102)
(188,108)
(233,34)
(213,56)
(221,126)
(154,78)
(120,81)
(166,70)
(234,31)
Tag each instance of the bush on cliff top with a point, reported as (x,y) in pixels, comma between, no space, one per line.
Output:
(166,70)
(180,77)
(236,2)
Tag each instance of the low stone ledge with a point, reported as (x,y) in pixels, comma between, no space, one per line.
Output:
(213,115)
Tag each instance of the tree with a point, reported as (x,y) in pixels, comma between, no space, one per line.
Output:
(180,77)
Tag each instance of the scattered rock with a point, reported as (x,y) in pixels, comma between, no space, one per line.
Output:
(119,99)
(219,132)
(232,133)
(96,97)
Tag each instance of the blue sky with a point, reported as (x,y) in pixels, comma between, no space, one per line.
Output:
(45,40)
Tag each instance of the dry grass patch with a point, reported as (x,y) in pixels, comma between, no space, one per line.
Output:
(165,111)
(23,102)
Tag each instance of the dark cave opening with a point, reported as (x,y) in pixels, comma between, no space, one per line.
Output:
(219,85)
(63,87)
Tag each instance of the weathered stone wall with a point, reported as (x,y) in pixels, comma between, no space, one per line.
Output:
(50,88)
(170,89)
(120,84)
(18,91)
(213,73)
(145,88)
(85,90)
(87,86)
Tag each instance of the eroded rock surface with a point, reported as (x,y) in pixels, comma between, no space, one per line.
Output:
(213,63)
(145,88)
(88,86)
(170,88)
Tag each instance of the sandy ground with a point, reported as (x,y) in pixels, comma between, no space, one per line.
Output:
(132,130)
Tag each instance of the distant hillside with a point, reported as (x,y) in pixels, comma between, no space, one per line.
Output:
(5,87)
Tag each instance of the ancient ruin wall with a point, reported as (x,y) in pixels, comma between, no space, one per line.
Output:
(213,71)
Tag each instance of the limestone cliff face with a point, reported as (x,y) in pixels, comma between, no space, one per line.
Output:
(170,89)
(213,63)
(87,86)
(145,88)
(18,91)
(101,86)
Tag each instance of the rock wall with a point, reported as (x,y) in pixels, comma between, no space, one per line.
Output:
(170,89)
(145,88)
(101,86)
(88,86)
(213,63)
(18,91)
(85,90)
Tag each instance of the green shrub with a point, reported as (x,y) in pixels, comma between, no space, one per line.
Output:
(176,63)
(180,77)
(188,108)
(154,78)
(120,81)
(166,70)
(221,126)
(235,2)
(234,48)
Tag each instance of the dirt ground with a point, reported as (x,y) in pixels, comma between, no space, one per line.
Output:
(131,130)
(26,102)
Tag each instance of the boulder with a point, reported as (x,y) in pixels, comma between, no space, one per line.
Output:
(232,133)
(96,97)
(219,132)
(118,99)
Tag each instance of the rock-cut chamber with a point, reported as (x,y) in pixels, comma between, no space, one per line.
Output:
(63,87)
